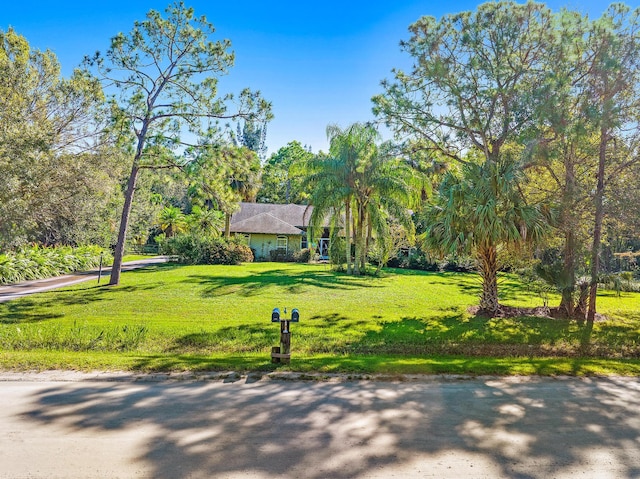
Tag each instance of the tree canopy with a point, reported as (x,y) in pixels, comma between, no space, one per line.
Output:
(558,90)
(166,73)
(58,171)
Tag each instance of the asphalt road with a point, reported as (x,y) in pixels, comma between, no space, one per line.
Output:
(14,291)
(69,425)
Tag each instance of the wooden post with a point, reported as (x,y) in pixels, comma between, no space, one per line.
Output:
(275,354)
(285,342)
(282,353)
(100,268)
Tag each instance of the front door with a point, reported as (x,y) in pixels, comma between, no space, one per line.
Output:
(323,246)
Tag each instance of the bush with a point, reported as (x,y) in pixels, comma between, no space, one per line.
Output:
(303,256)
(281,256)
(39,262)
(458,264)
(191,249)
(419,260)
(619,282)
(416,259)
(337,255)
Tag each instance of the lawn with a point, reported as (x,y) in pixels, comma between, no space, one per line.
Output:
(137,257)
(170,317)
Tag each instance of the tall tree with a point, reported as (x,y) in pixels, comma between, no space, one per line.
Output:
(562,152)
(56,170)
(331,180)
(244,179)
(613,101)
(282,179)
(166,72)
(476,79)
(384,191)
(223,176)
(475,83)
(205,221)
(252,135)
(360,185)
(481,210)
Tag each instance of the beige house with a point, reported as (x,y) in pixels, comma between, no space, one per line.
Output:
(281,228)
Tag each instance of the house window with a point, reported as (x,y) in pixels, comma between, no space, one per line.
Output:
(303,242)
(281,243)
(245,238)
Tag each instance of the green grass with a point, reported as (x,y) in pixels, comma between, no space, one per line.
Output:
(136,257)
(171,317)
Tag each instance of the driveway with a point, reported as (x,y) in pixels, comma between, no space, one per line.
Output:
(25,288)
(71,425)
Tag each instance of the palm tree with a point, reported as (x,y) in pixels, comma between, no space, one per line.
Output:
(358,186)
(244,180)
(172,221)
(331,198)
(333,180)
(206,221)
(224,176)
(479,210)
(384,190)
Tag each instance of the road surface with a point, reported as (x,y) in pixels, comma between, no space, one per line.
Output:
(71,425)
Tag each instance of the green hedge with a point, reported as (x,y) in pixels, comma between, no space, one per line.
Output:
(192,249)
(39,262)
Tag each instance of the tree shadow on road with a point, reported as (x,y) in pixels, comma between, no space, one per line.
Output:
(504,428)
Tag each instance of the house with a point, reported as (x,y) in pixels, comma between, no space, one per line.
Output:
(283,228)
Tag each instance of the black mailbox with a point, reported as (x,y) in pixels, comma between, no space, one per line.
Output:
(275,315)
(295,316)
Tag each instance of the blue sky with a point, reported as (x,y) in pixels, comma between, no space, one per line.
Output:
(317,62)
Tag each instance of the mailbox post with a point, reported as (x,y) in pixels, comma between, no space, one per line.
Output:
(282,353)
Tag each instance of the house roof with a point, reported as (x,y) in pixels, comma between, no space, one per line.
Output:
(264,223)
(290,219)
(290,213)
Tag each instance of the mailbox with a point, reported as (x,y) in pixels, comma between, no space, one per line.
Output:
(282,353)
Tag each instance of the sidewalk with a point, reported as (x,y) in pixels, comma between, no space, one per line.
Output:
(18,290)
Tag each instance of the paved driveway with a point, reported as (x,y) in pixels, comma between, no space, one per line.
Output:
(25,288)
(118,426)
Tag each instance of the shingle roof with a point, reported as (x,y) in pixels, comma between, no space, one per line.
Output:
(291,213)
(264,223)
(271,219)
(247,210)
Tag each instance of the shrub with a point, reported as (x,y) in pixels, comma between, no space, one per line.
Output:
(39,262)
(303,256)
(619,282)
(281,256)
(458,264)
(337,254)
(420,261)
(192,249)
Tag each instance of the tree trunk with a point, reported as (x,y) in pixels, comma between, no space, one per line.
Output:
(569,275)
(367,243)
(347,233)
(118,254)
(597,228)
(488,257)
(567,303)
(360,246)
(356,241)
(227,225)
